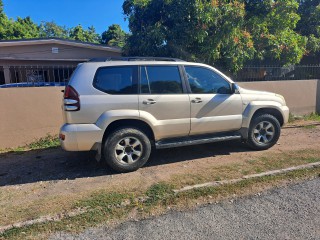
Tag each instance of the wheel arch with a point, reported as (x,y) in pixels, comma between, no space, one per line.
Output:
(272,111)
(139,124)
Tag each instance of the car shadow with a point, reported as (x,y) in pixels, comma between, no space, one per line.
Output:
(55,164)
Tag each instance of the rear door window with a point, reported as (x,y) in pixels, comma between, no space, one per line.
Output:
(160,80)
(117,80)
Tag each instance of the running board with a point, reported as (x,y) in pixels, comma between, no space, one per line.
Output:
(194,141)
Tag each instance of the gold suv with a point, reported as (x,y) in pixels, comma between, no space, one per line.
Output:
(123,107)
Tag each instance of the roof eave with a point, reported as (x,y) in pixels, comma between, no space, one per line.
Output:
(59,41)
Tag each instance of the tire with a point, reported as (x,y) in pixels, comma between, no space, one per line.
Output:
(126,149)
(264,132)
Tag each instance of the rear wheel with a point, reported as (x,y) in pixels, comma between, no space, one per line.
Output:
(264,132)
(127,149)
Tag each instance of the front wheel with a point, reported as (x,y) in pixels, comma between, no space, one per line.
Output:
(127,149)
(264,132)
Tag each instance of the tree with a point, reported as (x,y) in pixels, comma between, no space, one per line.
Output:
(23,28)
(309,25)
(272,25)
(114,36)
(51,29)
(228,33)
(80,34)
(208,31)
(4,23)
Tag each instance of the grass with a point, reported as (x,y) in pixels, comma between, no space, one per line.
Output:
(310,127)
(308,117)
(292,118)
(312,117)
(104,207)
(260,164)
(48,141)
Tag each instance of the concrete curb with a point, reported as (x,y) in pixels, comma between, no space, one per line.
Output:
(43,219)
(270,173)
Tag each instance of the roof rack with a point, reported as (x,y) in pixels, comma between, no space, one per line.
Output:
(135,59)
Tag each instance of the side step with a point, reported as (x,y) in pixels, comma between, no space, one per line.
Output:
(180,142)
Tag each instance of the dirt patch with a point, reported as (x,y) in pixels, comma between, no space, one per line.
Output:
(45,182)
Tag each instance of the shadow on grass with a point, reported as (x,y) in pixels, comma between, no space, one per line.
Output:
(54,164)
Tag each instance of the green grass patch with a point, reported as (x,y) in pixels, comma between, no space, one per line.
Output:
(308,117)
(48,141)
(309,127)
(158,192)
(312,117)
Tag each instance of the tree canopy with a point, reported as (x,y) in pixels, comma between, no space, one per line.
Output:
(80,34)
(51,29)
(114,36)
(223,32)
(309,25)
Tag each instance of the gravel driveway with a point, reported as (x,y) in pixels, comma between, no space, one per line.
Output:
(291,212)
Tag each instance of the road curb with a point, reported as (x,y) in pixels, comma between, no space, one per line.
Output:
(269,173)
(43,219)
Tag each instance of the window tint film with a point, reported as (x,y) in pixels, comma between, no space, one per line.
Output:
(160,80)
(116,80)
(204,80)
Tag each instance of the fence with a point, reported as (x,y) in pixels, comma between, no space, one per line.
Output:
(36,76)
(274,73)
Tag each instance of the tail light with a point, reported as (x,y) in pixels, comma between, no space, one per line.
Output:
(71,99)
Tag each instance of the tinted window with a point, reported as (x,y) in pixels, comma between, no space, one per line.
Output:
(116,80)
(204,80)
(160,80)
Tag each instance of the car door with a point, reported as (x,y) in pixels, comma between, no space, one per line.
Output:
(214,108)
(163,101)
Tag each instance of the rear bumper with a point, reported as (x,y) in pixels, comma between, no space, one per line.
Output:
(80,137)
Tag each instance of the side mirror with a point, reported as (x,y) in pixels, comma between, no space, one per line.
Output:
(234,88)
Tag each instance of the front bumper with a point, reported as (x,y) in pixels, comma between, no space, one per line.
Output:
(285,113)
(80,137)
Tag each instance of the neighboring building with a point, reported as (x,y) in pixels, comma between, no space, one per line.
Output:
(46,60)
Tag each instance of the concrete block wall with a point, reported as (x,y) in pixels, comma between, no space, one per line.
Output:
(27,114)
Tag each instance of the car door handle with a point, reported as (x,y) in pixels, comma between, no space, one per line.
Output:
(149,102)
(197,100)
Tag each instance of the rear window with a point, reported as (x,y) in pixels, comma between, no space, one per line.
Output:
(117,80)
(160,80)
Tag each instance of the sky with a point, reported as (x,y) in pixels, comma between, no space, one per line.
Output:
(99,13)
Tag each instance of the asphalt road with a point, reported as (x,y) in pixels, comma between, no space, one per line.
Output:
(291,212)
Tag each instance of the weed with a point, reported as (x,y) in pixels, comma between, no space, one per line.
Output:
(158,192)
(48,141)
(313,117)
